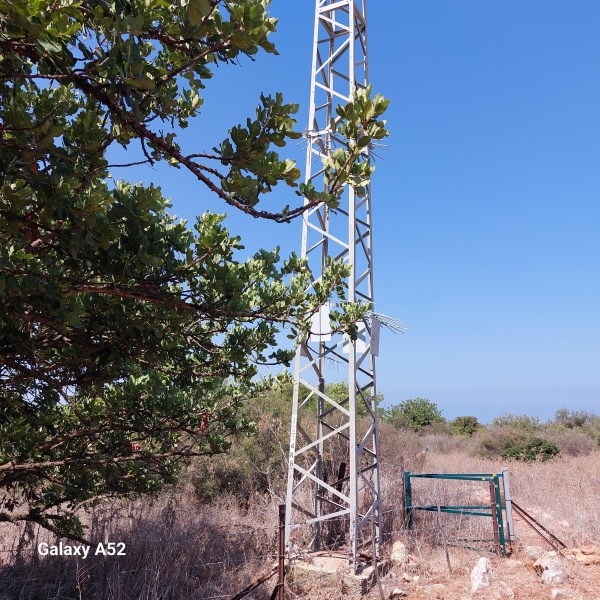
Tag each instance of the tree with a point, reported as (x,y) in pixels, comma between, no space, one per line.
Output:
(415,413)
(572,419)
(465,425)
(128,339)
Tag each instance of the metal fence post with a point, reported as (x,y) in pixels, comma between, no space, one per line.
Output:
(508,502)
(499,514)
(281,570)
(408,499)
(494,516)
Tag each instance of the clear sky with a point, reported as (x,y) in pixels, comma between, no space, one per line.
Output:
(486,202)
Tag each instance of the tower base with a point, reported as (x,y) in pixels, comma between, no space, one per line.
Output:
(322,570)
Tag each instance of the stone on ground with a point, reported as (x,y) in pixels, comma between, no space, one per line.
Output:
(399,553)
(482,574)
(551,569)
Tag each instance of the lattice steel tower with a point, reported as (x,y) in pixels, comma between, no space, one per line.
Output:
(333,472)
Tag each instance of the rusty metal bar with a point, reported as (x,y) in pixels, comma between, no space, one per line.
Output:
(556,544)
(281,566)
(266,576)
(495,518)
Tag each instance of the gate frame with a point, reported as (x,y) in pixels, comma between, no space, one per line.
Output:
(495,508)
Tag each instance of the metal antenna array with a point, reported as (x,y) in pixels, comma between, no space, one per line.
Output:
(333,472)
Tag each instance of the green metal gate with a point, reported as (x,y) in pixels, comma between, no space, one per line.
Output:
(494,510)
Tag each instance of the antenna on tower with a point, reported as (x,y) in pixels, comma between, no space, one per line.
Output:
(333,470)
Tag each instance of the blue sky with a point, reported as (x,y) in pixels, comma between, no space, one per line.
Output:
(486,203)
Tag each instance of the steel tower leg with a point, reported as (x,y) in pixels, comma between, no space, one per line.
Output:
(333,470)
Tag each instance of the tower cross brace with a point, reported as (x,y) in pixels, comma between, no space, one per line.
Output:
(333,488)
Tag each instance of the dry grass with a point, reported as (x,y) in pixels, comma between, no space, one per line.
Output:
(178,548)
(562,493)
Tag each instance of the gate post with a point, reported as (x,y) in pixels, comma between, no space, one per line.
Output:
(508,502)
(408,500)
(494,516)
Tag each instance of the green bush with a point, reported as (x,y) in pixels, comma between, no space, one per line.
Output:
(508,442)
(254,463)
(414,414)
(533,448)
(494,440)
(465,425)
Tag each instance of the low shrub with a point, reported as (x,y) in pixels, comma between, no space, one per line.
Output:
(573,442)
(446,443)
(494,440)
(533,448)
(518,422)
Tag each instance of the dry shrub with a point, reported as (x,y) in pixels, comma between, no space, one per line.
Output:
(176,549)
(572,442)
(493,441)
(447,444)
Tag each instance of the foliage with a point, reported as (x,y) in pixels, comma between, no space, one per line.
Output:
(513,442)
(492,441)
(128,340)
(465,425)
(518,422)
(572,442)
(575,431)
(533,448)
(254,464)
(257,463)
(574,418)
(414,414)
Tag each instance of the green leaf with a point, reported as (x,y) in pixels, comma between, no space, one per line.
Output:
(50,45)
(144,82)
(197,10)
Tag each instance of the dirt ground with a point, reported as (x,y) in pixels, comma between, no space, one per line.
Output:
(428,577)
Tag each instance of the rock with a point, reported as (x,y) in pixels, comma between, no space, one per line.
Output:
(560,595)
(587,555)
(588,559)
(550,568)
(399,553)
(482,574)
(397,593)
